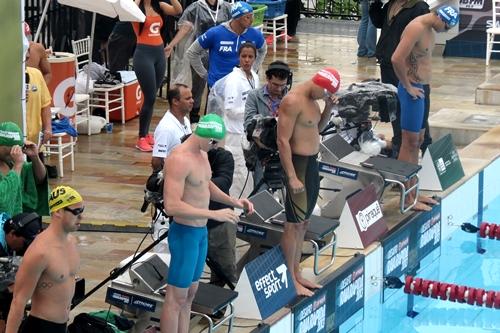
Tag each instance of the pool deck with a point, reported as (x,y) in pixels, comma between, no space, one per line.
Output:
(110,173)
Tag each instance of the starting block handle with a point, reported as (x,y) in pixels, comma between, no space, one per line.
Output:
(318,252)
(404,192)
(229,319)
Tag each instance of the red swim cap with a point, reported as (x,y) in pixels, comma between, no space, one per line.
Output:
(327,78)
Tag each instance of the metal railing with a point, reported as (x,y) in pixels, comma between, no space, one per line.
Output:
(332,9)
(61,25)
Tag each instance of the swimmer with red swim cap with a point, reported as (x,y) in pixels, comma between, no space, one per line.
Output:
(299,123)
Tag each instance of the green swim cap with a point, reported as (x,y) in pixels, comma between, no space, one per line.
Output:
(10,134)
(211,126)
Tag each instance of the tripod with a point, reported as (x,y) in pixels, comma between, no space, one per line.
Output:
(272,178)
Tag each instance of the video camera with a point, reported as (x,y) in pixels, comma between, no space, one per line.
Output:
(8,269)
(353,115)
(262,134)
(153,193)
(355,101)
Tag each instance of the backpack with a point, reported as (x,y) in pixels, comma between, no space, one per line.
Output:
(85,323)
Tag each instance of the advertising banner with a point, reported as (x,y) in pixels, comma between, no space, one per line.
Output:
(361,220)
(349,293)
(428,225)
(310,315)
(441,166)
(475,15)
(407,246)
(265,286)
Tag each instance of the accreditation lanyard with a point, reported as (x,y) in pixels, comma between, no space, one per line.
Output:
(214,18)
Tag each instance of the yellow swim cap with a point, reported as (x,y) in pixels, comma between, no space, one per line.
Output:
(63,196)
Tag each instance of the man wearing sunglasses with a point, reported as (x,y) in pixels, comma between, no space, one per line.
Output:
(300,121)
(412,61)
(187,192)
(50,265)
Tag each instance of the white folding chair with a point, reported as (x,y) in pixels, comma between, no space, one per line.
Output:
(109,98)
(276,28)
(492,32)
(61,145)
(81,52)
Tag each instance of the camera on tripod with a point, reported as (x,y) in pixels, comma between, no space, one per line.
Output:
(153,193)
(353,116)
(263,151)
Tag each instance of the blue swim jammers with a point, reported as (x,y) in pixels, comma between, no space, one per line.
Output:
(188,249)
(412,110)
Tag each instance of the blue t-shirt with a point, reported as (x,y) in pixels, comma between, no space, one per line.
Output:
(223,46)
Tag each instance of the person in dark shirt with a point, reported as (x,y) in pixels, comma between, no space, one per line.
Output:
(121,46)
(222,236)
(392,18)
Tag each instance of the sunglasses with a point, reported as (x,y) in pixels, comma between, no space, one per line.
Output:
(213,142)
(76,211)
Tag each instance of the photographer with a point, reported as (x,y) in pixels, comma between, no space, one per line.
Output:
(23,185)
(16,234)
(264,102)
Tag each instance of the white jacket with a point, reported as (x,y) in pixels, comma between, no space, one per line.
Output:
(228,96)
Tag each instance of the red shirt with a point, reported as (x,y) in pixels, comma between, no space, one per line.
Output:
(150,34)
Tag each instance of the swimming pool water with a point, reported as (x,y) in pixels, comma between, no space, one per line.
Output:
(456,261)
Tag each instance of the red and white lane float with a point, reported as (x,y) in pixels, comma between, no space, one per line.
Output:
(485,230)
(489,230)
(452,292)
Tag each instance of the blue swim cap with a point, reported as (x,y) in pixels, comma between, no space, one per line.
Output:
(240,8)
(448,15)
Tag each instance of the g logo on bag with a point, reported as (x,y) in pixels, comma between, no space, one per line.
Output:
(154,28)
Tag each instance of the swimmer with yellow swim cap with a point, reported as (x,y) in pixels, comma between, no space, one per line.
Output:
(188,190)
(63,196)
(48,270)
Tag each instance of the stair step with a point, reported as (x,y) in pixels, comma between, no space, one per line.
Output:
(464,125)
(488,92)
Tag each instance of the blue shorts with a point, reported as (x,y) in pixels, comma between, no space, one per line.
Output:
(188,249)
(413,113)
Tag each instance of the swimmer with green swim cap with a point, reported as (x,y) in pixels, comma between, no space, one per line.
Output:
(187,192)
(211,126)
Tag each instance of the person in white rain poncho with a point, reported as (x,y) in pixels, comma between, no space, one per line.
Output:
(227,98)
(197,18)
